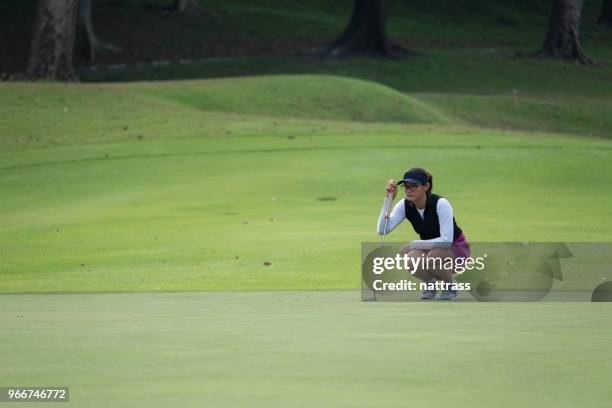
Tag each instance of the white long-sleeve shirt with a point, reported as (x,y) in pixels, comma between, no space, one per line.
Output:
(445,217)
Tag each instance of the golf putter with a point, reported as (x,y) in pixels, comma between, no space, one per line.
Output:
(387,206)
(387,209)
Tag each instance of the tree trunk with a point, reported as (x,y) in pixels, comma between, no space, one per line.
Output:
(187,6)
(562,38)
(93,44)
(605,18)
(53,40)
(365,33)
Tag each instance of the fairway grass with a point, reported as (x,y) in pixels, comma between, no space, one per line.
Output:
(190,186)
(190,215)
(305,349)
(489,87)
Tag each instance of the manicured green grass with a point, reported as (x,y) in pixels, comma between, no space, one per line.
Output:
(194,185)
(476,87)
(305,349)
(37,115)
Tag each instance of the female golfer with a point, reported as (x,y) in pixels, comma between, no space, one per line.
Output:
(432,218)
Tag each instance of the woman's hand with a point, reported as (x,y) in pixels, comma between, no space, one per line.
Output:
(391,189)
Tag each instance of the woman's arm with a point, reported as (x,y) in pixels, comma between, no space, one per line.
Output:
(395,218)
(445,240)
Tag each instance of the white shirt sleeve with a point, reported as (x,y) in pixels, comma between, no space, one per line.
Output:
(398,214)
(445,240)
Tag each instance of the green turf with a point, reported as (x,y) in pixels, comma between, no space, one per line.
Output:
(195,185)
(305,349)
(475,86)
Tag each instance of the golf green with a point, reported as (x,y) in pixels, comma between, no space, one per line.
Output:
(305,349)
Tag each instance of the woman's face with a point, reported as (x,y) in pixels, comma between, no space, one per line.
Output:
(415,192)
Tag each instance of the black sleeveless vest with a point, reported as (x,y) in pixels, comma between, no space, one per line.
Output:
(428,227)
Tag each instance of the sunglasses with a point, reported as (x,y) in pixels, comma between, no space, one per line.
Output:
(410,187)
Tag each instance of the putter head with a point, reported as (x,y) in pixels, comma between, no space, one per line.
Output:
(372,299)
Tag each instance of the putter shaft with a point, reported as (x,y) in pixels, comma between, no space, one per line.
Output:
(388,202)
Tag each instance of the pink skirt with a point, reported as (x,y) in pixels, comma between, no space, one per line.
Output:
(461,248)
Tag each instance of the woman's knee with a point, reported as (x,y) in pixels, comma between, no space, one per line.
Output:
(413,253)
(416,258)
(440,253)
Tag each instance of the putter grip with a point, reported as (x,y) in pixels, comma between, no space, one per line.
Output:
(387,205)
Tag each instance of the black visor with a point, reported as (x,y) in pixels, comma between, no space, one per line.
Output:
(415,176)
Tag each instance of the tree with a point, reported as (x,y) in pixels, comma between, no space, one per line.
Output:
(562,39)
(605,18)
(365,33)
(94,45)
(53,40)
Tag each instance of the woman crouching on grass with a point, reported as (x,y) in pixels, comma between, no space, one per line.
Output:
(432,218)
